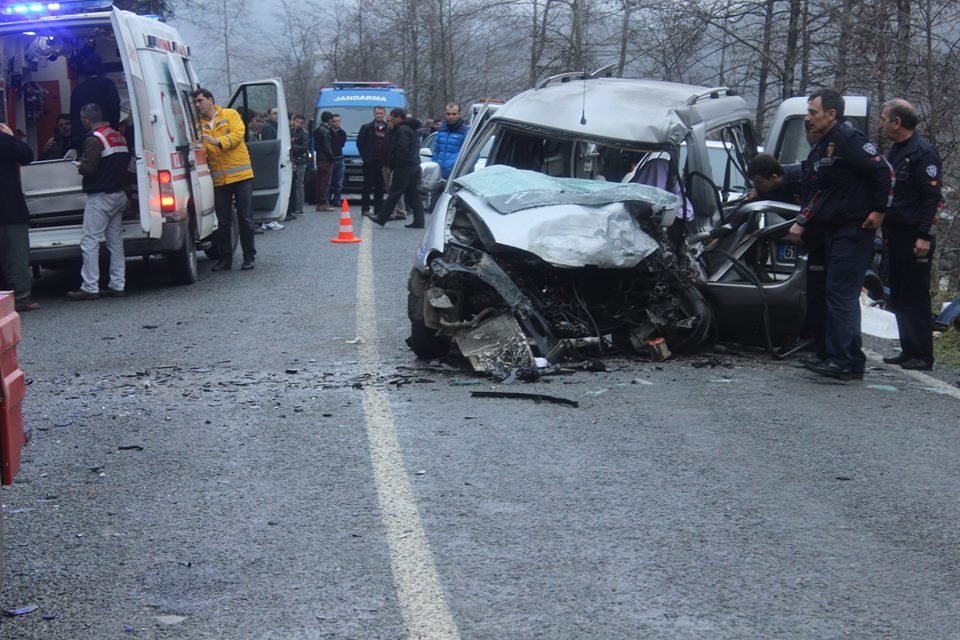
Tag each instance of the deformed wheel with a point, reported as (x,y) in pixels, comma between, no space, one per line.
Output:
(695,308)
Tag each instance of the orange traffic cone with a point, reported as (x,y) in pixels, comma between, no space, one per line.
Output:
(346,225)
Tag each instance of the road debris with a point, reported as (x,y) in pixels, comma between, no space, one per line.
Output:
(536,397)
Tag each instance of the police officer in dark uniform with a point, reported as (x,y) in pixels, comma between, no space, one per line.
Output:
(908,232)
(850,185)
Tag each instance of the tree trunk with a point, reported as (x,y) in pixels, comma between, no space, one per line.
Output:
(843,45)
(764,71)
(902,69)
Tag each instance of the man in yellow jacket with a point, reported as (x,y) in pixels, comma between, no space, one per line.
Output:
(222,132)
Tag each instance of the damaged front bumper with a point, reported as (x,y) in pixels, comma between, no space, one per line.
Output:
(558,314)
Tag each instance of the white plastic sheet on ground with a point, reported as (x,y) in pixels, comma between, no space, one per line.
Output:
(875,321)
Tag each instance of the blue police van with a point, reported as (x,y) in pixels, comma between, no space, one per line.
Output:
(354,102)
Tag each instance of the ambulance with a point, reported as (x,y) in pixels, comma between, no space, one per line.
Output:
(171,210)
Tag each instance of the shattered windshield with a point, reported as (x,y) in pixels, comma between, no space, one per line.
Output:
(508,190)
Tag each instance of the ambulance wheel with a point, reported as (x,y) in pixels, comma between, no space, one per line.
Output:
(183,261)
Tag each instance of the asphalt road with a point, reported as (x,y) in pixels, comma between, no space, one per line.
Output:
(259,456)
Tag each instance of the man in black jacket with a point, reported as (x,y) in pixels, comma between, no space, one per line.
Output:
(372,145)
(403,157)
(908,231)
(338,138)
(95,88)
(323,153)
(850,185)
(14,220)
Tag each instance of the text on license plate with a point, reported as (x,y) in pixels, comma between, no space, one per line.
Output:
(787,252)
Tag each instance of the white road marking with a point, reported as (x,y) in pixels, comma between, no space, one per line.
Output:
(419,592)
(929,382)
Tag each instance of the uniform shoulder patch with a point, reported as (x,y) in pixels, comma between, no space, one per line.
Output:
(932,170)
(870,148)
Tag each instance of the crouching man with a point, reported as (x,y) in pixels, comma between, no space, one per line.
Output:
(103,164)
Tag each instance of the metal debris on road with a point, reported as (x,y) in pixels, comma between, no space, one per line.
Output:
(536,397)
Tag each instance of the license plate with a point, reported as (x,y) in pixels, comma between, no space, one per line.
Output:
(787,252)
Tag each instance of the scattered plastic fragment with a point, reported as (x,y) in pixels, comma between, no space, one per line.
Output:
(882,387)
(536,397)
(357,340)
(19,611)
(49,616)
(150,326)
(464,383)
(170,620)
(130,447)
(292,371)
(597,392)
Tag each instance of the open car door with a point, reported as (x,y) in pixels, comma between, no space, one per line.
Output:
(272,166)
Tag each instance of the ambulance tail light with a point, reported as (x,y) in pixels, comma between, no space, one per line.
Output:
(167,202)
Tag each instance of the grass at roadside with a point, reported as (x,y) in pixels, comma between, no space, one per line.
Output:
(946,348)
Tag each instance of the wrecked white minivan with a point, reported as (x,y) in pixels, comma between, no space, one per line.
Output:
(171,192)
(572,240)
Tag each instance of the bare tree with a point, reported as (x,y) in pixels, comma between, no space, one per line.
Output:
(226,24)
(297,55)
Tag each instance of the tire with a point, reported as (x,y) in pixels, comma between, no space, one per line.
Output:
(183,261)
(694,305)
(213,251)
(425,343)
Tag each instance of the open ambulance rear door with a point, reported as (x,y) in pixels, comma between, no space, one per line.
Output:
(173,178)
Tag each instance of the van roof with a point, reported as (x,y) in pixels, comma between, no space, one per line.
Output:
(647,111)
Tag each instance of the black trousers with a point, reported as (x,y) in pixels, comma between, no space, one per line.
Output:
(815,321)
(404,184)
(909,280)
(239,194)
(849,249)
(372,183)
(15,258)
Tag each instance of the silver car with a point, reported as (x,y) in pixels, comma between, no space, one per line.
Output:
(517,263)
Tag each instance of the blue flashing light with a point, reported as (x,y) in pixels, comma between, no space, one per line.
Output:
(41,8)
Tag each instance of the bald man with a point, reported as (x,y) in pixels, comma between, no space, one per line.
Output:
(908,232)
